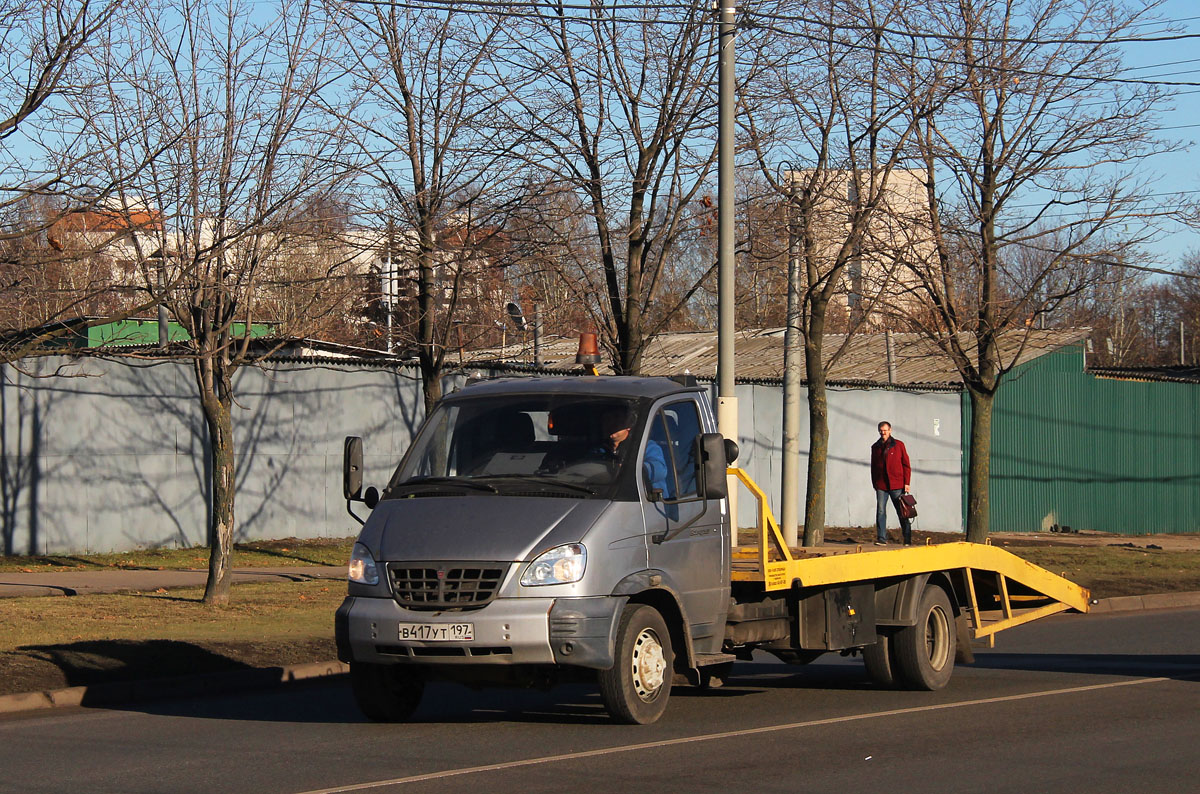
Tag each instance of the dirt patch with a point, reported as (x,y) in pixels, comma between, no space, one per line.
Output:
(1098,540)
(41,668)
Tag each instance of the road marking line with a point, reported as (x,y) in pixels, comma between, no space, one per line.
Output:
(554,759)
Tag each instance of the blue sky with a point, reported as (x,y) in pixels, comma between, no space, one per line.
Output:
(1176,171)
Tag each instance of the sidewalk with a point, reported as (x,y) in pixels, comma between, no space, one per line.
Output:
(14,585)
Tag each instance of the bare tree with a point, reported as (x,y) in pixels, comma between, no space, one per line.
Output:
(1184,292)
(430,84)
(1034,146)
(620,105)
(552,243)
(50,53)
(221,99)
(828,121)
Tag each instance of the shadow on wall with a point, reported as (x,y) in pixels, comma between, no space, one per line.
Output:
(22,418)
(126,462)
(157,481)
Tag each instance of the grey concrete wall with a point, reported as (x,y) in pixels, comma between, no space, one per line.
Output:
(111,455)
(929,424)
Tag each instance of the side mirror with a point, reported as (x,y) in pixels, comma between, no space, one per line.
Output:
(712,456)
(352,469)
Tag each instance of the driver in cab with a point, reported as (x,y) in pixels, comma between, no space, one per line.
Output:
(615,424)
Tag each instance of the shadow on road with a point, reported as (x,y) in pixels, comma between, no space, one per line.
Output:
(329,700)
(1177,666)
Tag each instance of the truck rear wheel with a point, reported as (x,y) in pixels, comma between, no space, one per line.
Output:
(636,688)
(924,653)
(386,692)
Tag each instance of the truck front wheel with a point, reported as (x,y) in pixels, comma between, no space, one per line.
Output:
(386,692)
(636,688)
(924,652)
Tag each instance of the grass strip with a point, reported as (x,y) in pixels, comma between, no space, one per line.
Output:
(288,552)
(258,611)
(1110,571)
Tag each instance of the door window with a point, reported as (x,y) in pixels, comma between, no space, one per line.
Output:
(669,463)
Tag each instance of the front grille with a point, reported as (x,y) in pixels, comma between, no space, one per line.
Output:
(447,585)
(465,651)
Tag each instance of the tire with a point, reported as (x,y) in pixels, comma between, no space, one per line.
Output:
(924,653)
(636,688)
(386,692)
(880,660)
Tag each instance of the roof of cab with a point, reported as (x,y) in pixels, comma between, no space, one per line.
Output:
(605,385)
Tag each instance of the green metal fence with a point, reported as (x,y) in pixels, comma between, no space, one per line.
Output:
(1070,449)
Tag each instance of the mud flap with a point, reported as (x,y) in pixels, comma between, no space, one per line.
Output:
(963,653)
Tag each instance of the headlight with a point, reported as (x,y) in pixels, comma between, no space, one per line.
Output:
(362,566)
(560,565)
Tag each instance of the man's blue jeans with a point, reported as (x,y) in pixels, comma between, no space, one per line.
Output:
(881,501)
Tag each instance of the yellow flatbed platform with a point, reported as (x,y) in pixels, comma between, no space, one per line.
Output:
(1003,589)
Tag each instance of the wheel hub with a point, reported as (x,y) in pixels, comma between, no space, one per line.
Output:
(937,631)
(649,664)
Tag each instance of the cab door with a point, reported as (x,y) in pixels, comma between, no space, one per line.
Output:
(683,532)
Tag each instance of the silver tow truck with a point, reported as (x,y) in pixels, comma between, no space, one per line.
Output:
(548,529)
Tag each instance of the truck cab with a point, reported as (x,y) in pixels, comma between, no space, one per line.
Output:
(540,529)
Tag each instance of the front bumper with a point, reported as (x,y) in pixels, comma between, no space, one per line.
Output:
(508,631)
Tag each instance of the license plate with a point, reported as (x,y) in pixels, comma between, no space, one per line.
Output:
(438,632)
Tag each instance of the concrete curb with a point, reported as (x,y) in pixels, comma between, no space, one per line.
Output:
(268,677)
(1154,601)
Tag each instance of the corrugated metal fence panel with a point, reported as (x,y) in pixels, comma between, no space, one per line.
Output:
(1071,449)
(111,456)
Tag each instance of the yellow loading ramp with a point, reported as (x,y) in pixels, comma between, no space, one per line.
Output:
(986,570)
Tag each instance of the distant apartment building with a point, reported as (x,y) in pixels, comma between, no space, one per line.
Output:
(118,236)
(370,274)
(878,281)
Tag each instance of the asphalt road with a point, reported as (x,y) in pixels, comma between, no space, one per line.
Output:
(1071,704)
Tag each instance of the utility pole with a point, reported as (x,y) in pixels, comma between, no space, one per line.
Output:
(792,342)
(390,285)
(164,330)
(727,411)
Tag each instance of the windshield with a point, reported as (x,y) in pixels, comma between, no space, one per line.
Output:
(535,444)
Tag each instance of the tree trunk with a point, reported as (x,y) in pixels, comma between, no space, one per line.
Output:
(219,417)
(431,382)
(979,470)
(818,443)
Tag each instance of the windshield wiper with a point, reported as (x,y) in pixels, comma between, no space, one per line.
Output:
(451,481)
(545,480)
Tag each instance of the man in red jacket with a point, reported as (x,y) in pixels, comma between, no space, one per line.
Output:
(891,475)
